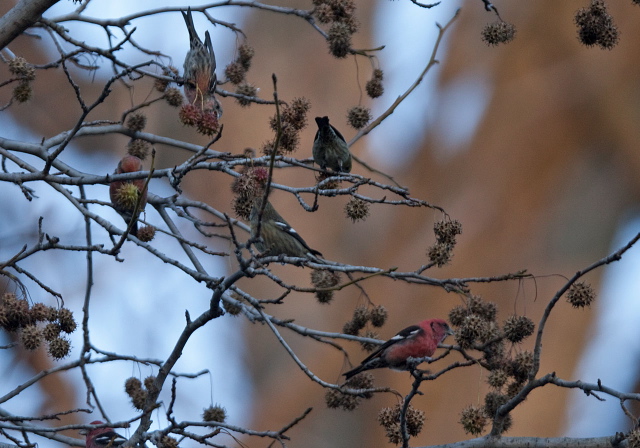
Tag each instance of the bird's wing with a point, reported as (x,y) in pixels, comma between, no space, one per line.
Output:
(338,133)
(284,227)
(403,335)
(110,438)
(212,58)
(193,35)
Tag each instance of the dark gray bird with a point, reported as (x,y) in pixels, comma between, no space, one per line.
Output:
(279,237)
(330,149)
(200,70)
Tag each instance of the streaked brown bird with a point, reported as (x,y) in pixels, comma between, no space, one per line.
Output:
(125,194)
(330,149)
(278,236)
(200,70)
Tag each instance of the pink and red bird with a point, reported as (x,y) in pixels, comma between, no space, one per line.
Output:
(416,341)
(127,194)
(102,437)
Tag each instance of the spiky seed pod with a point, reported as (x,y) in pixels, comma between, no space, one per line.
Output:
(494,354)
(190,115)
(498,33)
(146,233)
(23,92)
(514,388)
(31,337)
(136,121)
(324,297)
(168,442)
(214,414)
(244,185)
(66,320)
(363,380)
(17,312)
(132,385)
(324,13)
(440,254)
(386,417)
(39,312)
(633,439)
(138,399)
(248,90)
(379,316)
(389,418)
(351,328)
(447,230)
(339,38)
(127,195)
(473,420)
(232,308)
(330,185)
(173,97)
(486,310)
(518,328)
(596,26)
(580,295)
(415,420)
(51,331)
(52,314)
(374,88)
(22,69)
(139,148)
(160,84)
(521,365)
(150,384)
(295,114)
(4,319)
(245,55)
(59,348)
(357,209)
(369,346)
(241,205)
(361,316)
(492,401)
(358,117)
(474,328)
(235,72)
(324,278)
(208,123)
(289,138)
(458,314)
(497,378)
(336,399)
(342,9)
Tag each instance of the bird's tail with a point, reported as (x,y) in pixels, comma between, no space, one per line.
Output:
(353,372)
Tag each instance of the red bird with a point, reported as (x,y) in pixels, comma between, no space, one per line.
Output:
(124,194)
(200,70)
(416,341)
(102,437)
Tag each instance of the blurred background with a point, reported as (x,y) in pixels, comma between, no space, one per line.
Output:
(532,146)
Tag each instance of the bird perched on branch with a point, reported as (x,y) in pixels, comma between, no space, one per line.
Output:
(127,194)
(102,437)
(416,341)
(330,149)
(200,70)
(278,236)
